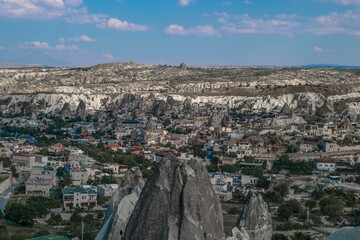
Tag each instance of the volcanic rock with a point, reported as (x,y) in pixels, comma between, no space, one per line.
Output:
(65,111)
(81,110)
(121,206)
(255,219)
(177,202)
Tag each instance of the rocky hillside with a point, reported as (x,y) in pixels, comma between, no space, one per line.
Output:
(103,87)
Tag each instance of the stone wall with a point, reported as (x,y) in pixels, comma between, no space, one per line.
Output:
(5,184)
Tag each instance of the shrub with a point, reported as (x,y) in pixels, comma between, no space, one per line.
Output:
(234,211)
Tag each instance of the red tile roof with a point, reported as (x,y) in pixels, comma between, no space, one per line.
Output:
(326,160)
(24,154)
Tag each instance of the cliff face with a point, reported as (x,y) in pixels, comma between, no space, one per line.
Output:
(128,84)
(121,207)
(255,219)
(177,202)
(67,104)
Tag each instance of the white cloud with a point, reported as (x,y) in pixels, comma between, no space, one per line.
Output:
(223,16)
(46,46)
(201,31)
(227,3)
(35,44)
(248,2)
(114,23)
(2,47)
(61,40)
(33,9)
(63,47)
(321,50)
(108,56)
(185,2)
(336,23)
(344,2)
(82,38)
(249,25)
(73,3)
(81,16)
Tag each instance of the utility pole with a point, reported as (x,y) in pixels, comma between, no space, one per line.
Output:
(82,230)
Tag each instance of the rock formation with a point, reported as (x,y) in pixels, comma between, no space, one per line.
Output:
(121,206)
(347,125)
(348,233)
(65,111)
(177,202)
(81,110)
(214,120)
(159,108)
(286,109)
(149,124)
(183,66)
(187,105)
(255,220)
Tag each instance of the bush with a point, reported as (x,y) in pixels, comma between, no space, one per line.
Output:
(289,226)
(76,218)
(20,214)
(279,236)
(289,208)
(234,211)
(332,207)
(99,214)
(301,236)
(42,233)
(41,204)
(294,167)
(54,220)
(18,237)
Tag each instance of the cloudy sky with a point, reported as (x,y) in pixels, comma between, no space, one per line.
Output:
(270,32)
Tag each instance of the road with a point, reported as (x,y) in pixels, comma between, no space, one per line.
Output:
(4,198)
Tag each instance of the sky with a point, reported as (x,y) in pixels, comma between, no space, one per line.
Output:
(243,32)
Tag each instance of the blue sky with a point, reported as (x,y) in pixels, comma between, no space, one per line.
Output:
(269,32)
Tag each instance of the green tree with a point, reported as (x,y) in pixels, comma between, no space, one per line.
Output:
(215,160)
(332,207)
(282,189)
(60,170)
(301,236)
(14,172)
(65,181)
(279,236)
(167,122)
(44,152)
(76,218)
(284,212)
(54,220)
(249,159)
(311,204)
(289,208)
(20,214)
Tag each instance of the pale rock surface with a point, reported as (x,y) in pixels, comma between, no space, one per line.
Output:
(348,233)
(81,110)
(255,219)
(177,202)
(121,206)
(239,234)
(65,111)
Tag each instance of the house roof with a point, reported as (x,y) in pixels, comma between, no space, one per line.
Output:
(325,160)
(24,154)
